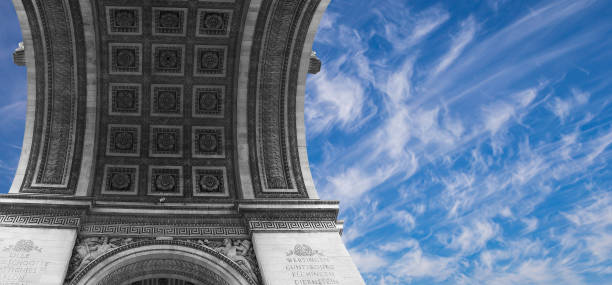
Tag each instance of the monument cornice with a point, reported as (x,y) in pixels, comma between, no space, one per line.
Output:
(166,139)
(28,216)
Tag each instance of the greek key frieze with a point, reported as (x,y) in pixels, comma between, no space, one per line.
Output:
(89,251)
(292,226)
(39,220)
(161,230)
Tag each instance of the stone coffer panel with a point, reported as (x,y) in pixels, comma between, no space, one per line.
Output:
(167,99)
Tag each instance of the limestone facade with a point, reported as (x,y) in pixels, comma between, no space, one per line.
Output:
(165,141)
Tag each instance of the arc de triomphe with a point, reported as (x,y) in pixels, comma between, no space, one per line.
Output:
(165,144)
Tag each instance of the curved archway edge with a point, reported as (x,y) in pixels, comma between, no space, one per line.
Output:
(148,256)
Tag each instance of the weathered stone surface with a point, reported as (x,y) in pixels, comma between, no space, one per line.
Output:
(170,128)
(19,55)
(35,255)
(304,258)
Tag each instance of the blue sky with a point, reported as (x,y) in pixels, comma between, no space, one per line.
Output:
(469,142)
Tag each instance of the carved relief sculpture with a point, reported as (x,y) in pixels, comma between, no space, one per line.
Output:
(159,125)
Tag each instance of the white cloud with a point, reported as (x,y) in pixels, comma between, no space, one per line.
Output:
(525,97)
(502,58)
(416,264)
(591,232)
(367,261)
(398,245)
(506,212)
(463,169)
(598,146)
(495,116)
(531,224)
(527,170)
(398,86)
(404,219)
(465,36)
(423,24)
(561,108)
(337,100)
(474,237)
(350,185)
(580,96)
(328,21)
(13,112)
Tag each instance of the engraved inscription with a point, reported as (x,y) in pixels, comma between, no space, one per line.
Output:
(307,266)
(21,262)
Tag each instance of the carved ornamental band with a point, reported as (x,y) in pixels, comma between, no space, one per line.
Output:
(292,226)
(218,231)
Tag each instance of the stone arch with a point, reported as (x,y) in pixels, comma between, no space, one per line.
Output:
(195,263)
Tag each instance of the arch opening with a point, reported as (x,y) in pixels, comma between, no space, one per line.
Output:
(164,280)
(162,262)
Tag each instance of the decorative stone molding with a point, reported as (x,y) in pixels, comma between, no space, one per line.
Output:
(40,218)
(165,267)
(214,23)
(50,162)
(208,142)
(124,20)
(165,180)
(166,141)
(239,251)
(166,100)
(124,99)
(169,21)
(209,181)
(169,230)
(19,55)
(168,59)
(208,101)
(210,61)
(281,226)
(315,64)
(120,180)
(123,140)
(91,251)
(125,58)
(279,216)
(274,157)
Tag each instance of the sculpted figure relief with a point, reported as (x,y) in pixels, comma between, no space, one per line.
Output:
(91,248)
(239,251)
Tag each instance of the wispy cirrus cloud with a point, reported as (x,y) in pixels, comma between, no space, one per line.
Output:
(422,24)
(338,101)
(458,44)
(481,132)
